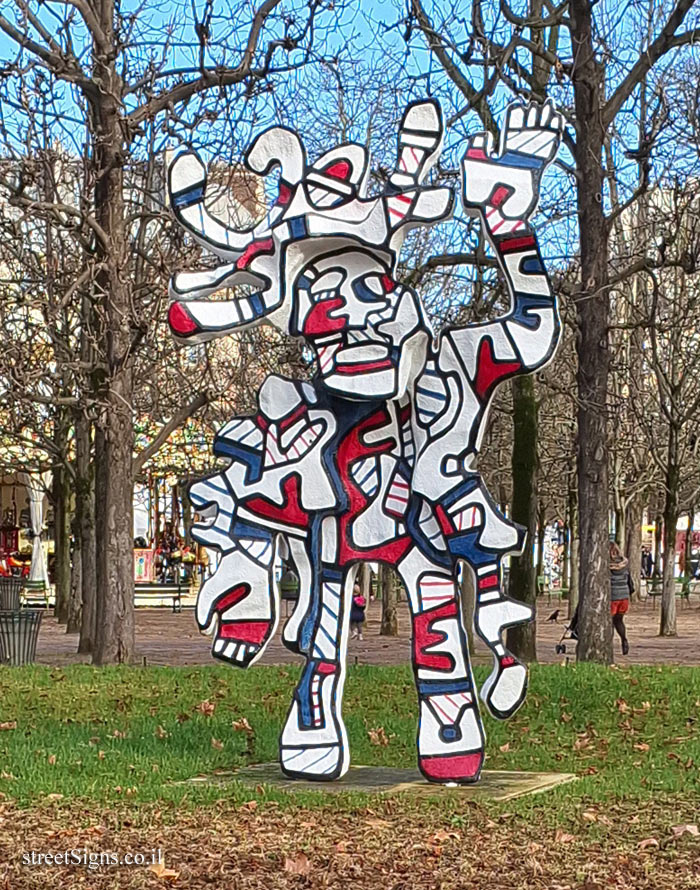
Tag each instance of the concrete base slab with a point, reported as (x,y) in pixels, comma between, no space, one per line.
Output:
(493,785)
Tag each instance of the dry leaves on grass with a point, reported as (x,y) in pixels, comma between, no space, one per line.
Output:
(8,724)
(680,830)
(378,736)
(206,708)
(563,837)
(168,875)
(392,844)
(299,865)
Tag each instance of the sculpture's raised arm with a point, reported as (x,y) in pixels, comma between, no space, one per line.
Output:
(503,190)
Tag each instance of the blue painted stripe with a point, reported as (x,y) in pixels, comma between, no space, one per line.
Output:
(440,396)
(331,575)
(256,302)
(514,159)
(444,687)
(188,197)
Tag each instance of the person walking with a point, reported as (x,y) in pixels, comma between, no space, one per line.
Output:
(621,586)
(357,612)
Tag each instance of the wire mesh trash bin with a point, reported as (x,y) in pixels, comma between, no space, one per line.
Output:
(10,589)
(19,631)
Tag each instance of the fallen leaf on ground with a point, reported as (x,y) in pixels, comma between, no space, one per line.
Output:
(680,830)
(378,736)
(647,843)
(165,874)
(9,724)
(561,837)
(215,743)
(242,725)
(299,865)
(206,707)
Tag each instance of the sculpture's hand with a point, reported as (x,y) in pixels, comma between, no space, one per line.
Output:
(506,185)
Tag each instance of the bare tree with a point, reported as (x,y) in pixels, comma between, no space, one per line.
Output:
(121,79)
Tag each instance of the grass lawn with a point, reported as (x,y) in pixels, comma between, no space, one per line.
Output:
(85,750)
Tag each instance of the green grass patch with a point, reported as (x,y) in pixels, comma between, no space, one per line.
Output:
(133,733)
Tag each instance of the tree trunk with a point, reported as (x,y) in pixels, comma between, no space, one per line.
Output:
(593,310)
(386,582)
(62,525)
(522,584)
(76,585)
(620,527)
(187,520)
(364,579)
(468,598)
(114,643)
(668,591)
(688,551)
(566,558)
(540,541)
(85,512)
(114,508)
(658,547)
(633,544)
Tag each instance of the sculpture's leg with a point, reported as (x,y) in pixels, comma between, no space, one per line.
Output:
(239,603)
(478,533)
(450,735)
(292,636)
(314,743)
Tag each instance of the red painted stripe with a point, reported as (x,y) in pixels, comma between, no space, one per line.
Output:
(265,246)
(457,769)
(244,631)
(295,415)
(511,244)
(364,367)
(488,581)
(233,596)
(180,320)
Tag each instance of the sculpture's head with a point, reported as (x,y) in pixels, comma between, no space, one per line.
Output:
(323,260)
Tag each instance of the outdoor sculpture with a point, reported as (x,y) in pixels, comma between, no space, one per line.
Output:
(373,460)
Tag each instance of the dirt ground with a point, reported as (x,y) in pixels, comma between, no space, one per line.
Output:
(173,639)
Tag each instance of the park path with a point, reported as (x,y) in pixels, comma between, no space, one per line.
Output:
(173,639)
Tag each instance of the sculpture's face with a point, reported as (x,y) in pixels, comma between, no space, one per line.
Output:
(322,261)
(368,333)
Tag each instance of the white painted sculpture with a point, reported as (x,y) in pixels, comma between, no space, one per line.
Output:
(373,460)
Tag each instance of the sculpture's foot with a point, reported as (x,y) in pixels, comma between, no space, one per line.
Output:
(504,690)
(241,642)
(450,739)
(314,742)
(238,605)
